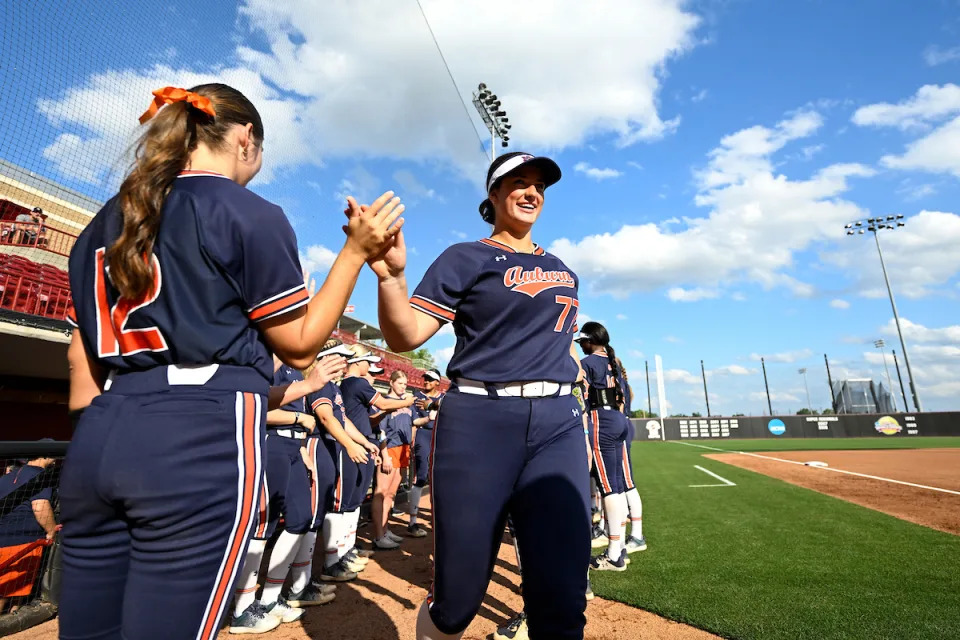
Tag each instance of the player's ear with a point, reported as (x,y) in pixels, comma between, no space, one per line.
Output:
(245,141)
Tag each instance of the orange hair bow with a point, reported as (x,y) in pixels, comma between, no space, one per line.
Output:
(169,95)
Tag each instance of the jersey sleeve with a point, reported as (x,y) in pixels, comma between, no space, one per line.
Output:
(257,248)
(369,395)
(316,399)
(595,377)
(445,284)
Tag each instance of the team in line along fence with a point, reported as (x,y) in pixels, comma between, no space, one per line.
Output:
(893,425)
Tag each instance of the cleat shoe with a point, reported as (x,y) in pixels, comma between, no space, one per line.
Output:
(356,567)
(515,629)
(323,587)
(595,516)
(337,573)
(309,597)
(416,531)
(352,557)
(624,557)
(599,538)
(363,553)
(253,620)
(589,591)
(636,544)
(283,611)
(385,543)
(603,563)
(391,535)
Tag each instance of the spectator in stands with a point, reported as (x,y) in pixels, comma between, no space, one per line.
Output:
(22,230)
(21,526)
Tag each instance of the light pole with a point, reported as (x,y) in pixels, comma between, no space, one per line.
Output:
(766,385)
(705,395)
(803,372)
(875,225)
(896,365)
(498,124)
(880,344)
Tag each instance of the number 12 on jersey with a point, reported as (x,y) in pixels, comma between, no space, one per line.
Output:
(113,338)
(568,304)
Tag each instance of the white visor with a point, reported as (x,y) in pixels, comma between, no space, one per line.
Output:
(339,350)
(372,359)
(375,369)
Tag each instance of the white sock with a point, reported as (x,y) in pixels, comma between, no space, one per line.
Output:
(426,630)
(302,566)
(415,494)
(352,537)
(616,507)
(331,538)
(246,591)
(636,513)
(280,560)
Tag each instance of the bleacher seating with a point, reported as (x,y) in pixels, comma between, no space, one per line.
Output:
(33,288)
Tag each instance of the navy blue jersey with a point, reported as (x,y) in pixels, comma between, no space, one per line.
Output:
(419,413)
(359,397)
(626,393)
(284,376)
(20,526)
(513,313)
(397,426)
(597,371)
(330,396)
(224,259)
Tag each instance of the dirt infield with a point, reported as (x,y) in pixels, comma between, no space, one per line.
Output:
(382,605)
(932,467)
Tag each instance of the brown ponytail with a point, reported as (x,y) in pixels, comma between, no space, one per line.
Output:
(161,154)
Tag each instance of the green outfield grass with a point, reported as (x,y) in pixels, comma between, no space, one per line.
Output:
(766,559)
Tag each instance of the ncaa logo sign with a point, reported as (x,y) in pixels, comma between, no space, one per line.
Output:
(776,427)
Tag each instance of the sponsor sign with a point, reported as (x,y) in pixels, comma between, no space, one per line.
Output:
(888,426)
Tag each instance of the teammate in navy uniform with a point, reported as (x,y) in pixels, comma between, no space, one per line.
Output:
(396,428)
(508,436)
(182,286)
(359,399)
(635,540)
(608,431)
(427,404)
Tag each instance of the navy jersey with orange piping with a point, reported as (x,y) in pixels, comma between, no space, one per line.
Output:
(359,396)
(330,396)
(513,313)
(397,426)
(224,259)
(420,413)
(597,371)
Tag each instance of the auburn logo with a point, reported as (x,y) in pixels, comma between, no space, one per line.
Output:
(536,281)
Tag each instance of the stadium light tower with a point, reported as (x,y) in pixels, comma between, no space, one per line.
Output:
(498,124)
(859,227)
(803,372)
(880,344)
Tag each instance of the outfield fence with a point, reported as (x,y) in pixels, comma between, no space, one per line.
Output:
(888,425)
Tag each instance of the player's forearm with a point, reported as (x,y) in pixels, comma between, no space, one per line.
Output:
(333,427)
(287,393)
(86,376)
(387,404)
(325,309)
(398,321)
(43,512)
(282,417)
(354,433)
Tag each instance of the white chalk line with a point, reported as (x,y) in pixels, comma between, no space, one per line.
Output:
(844,471)
(726,483)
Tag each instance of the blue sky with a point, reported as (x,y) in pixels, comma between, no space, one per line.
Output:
(711,153)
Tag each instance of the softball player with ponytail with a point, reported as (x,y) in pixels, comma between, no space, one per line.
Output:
(183,284)
(609,432)
(428,401)
(508,436)
(635,540)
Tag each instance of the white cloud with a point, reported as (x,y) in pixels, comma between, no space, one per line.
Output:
(635,165)
(596,173)
(807,153)
(672,340)
(367,91)
(359,183)
(682,376)
(775,396)
(732,370)
(442,356)
(914,332)
(934,55)
(679,294)
(839,304)
(636,354)
(749,206)
(445,330)
(700,96)
(919,256)
(931,102)
(621,316)
(409,186)
(460,235)
(914,192)
(738,297)
(937,152)
(785,356)
(317,258)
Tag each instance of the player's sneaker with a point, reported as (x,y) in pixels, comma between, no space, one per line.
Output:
(254,619)
(636,544)
(363,553)
(309,597)
(599,538)
(385,543)
(595,515)
(353,558)
(515,629)
(603,563)
(283,612)
(323,587)
(337,573)
(416,531)
(393,536)
(589,590)
(624,556)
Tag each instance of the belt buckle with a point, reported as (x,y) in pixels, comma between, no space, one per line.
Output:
(532,389)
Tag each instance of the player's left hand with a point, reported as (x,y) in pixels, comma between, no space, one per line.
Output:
(326,369)
(391,262)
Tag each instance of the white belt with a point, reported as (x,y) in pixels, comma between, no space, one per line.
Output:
(539,389)
(290,433)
